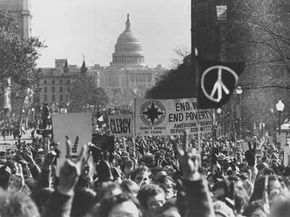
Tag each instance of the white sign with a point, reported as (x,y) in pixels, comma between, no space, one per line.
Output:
(4,147)
(77,127)
(171,117)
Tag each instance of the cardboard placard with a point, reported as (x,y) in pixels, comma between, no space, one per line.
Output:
(171,117)
(77,127)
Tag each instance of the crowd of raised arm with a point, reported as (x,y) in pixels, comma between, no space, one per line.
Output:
(160,177)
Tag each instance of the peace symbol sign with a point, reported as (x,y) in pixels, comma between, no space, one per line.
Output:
(219,87)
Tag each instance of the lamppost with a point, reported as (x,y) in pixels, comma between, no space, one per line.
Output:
(219,111)
(280,107)
(239,92)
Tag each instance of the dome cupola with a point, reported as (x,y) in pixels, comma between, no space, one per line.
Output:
(128,49)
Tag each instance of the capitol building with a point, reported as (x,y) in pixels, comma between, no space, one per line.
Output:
(127,77)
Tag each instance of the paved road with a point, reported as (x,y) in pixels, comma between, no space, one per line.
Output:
(10,139)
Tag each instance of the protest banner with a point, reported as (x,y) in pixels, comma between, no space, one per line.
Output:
(77,127)
(171,117)
(121,125)
(5,146)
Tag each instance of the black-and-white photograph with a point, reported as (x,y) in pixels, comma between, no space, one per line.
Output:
(144,108)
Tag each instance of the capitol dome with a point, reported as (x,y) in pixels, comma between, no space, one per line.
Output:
(128,49)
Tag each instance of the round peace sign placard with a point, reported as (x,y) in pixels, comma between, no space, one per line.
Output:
(221,86)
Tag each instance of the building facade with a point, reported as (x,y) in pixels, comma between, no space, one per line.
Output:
(54,83)
(20,10)
(240,30)
(127,77)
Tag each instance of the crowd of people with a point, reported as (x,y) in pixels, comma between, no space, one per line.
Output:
(155,176)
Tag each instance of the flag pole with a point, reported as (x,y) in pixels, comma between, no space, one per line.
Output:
(134,128)
(194,67)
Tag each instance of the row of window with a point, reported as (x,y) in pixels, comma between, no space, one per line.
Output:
(141,77)
(127,60)
(60,81)
(129,48)
(61,89)
(53,98)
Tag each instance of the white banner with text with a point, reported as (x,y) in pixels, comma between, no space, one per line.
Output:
(171,117)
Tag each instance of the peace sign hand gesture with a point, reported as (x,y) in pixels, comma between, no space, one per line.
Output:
(70,171)
(188,160)
(27,155)
(17,180)
(48,160)
(250,154)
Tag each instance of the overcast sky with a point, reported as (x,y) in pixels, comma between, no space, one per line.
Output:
(73,28)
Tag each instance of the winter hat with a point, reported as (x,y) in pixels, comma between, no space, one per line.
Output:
(222,209)
(262,165)
(5,174)
(221,184)
(104,171)
(84,199)
(42,196)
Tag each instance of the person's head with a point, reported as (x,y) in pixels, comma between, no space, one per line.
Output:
(211,180)
(151,198)
(39,158)
(41,197)
(255,209)
(141,176)
(274,188)
(5,174)
(285,184)
(220,190)
(17,204)
(248,186)
(128,166)
(149,160)
(120,205)
(116,173)
(238,193)
(84,199)
(169,209)
(108,189)
(129,187)
(168,186)
(281,207)
(222,210)
(104,172)
(161,173)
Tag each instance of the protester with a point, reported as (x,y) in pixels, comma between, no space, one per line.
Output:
(161,177)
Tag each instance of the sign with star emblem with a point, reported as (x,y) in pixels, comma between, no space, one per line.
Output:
(171,117)
(152,112)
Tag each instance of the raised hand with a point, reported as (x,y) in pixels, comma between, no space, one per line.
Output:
(17,180)
(70,171)
(48,160)
(85,167)
(27,155)
(250,154)
(5,175)
(188,161)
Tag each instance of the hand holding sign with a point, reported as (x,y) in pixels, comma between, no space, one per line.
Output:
(27,155)
(70,171)
(17,180)
(189,161)
(250,155)
(48,160)
(86,167)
